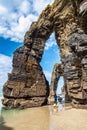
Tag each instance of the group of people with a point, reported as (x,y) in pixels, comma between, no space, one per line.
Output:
(56,102)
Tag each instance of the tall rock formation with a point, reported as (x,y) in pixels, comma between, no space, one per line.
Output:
(26,85)
(57,72)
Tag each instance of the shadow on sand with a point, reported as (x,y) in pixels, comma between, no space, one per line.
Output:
(2,125)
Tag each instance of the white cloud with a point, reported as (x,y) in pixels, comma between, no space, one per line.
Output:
(5,67)
(17,29)
(4,60)
(24,7)
(50,42)
(48,45)
(3,10)
(39,5)
(16,17)
(2,30)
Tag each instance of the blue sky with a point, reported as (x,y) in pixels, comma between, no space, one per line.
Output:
(15,19)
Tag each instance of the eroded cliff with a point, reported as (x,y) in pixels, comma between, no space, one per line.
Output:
(27,85)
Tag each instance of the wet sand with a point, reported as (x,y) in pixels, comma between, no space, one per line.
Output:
(43,118)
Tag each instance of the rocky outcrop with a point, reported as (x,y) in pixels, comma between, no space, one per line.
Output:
(26,85)
(57,72)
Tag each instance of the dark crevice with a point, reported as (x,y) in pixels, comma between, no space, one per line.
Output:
(26,98)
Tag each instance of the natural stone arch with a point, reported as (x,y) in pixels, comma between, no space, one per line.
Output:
(56,74)
(27,85)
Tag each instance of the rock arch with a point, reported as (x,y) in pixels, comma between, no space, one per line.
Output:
(56,74)
(27,85)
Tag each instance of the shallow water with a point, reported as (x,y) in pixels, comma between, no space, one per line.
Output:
(44,118)
(32,119)
(28,119)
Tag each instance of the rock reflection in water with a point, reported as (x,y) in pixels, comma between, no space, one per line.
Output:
(2,124)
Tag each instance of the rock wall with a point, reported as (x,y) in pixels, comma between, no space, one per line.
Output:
(26,85)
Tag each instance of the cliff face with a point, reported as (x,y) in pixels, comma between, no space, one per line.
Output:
(27,85)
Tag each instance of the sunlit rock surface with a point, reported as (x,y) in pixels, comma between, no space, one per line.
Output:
(27,85)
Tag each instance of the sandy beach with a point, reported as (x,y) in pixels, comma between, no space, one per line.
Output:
(43,118)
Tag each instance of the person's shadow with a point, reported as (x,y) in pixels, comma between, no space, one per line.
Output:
(2,125)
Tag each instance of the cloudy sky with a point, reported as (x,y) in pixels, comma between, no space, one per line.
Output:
(15,19)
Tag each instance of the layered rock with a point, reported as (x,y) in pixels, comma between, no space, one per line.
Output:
(26,85)
(71,36)
(57,72)
(77,76)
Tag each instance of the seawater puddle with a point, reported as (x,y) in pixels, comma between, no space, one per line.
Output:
(32,118)
(44,118)
(38,118)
